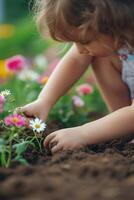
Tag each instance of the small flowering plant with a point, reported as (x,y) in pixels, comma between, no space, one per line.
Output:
(17,133)
(14,139)
(38,128)
(15,120)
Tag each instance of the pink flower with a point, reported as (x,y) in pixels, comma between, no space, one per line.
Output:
(77,101)
(15,120)
(16,63)
(2,101)
(84,89)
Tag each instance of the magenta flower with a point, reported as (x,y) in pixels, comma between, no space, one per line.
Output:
(2,101)
(84,89)
(16,63)
(15,120)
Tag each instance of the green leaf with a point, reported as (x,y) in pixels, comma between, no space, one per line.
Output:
(21,147)
(2,141)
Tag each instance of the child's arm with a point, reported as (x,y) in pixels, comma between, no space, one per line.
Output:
(68,71)
(117,124)
(114,125)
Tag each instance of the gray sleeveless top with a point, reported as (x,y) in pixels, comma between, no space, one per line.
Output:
(127,58)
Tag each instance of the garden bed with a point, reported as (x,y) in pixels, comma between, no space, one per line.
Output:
(104,171)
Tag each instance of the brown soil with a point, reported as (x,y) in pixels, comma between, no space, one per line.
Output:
(104,172)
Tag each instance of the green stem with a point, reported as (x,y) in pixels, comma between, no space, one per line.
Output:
(3,158)
(38,142)
(10,149)
(10,155)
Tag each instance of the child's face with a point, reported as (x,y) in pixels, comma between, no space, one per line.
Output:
(102,46)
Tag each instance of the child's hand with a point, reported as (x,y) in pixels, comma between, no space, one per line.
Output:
(36,109)
(66,139)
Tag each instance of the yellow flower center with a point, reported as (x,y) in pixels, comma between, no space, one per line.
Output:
(15,119)
(37,126)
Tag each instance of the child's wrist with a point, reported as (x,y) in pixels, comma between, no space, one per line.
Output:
(84,134)
(45,103)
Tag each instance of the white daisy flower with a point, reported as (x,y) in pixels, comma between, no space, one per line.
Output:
(37,125)
(5,93)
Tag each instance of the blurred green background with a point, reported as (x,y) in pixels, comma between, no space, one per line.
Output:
(18,33)
(14,10)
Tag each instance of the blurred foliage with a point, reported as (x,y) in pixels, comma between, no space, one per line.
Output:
(64,110)
(70,115)
(26,40)
(17,9)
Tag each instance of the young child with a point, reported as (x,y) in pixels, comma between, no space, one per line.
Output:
(102,35)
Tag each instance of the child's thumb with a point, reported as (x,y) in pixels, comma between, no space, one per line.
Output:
(27,112)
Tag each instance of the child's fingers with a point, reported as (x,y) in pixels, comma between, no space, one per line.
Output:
(25,111)
(48,139)
(56,148)
(19,110)
(53,143)
(30,116)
